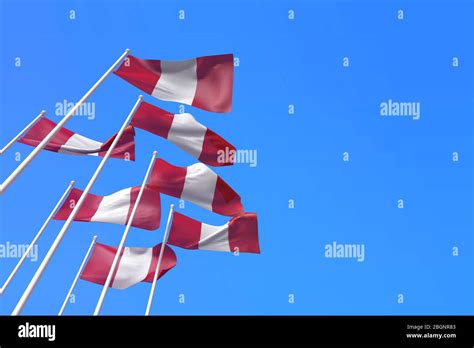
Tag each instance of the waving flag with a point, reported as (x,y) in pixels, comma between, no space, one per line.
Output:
(115,208)
(204,82)
(197,184)
(185,132)
(66,141)
(239,234)
(136,265)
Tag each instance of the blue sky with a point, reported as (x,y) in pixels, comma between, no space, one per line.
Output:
(408,251)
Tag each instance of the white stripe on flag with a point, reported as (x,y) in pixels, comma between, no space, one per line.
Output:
(133,267)
(187,133)
(214,237)
(80,142)
(199,185)
(114,208)
(177,82)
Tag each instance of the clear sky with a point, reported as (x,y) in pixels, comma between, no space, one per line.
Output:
(409,251)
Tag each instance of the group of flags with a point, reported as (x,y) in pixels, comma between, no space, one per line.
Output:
(206,83)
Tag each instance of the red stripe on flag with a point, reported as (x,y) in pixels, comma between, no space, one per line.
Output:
(215,75)
(226,201)
(153,119)
(116,267)
(141,73)
(167,262)
(185,232)
(243,233)
(167,178)
(213,147)
(125,148)
(148,213)
(40,130)
(87,210)
(99,264)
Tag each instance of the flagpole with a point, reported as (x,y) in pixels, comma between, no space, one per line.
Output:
(124,237)
(60,124)
(33,242)
(70,219)
(157,270)
(23,131)
(79,271)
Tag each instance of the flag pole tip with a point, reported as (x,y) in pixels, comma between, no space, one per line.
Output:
(140,97)
(94,238)
(155,153)
(43,112)
(127,50)
(172,206)
(72,182)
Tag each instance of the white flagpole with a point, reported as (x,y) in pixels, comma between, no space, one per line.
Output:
(124,237)
(70,219)
(162,250)
(60,124)
(33,242)
(79,271)
(23,131)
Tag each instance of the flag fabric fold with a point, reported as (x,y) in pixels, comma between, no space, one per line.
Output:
(66,141)
(239,234)
(135,265)
(185,132)
(203,82)
(115,208)
(197,184)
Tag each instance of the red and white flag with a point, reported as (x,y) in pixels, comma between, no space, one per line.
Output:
(197,184)
(239,234)
(66,141)
(184,131)
(115,208)
(204,82)
(135,265)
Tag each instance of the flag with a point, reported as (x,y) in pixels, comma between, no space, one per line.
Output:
(66,141)
(204,82)
(197,184)
(115,208)
(185,132)
(239,234)
(135,265)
